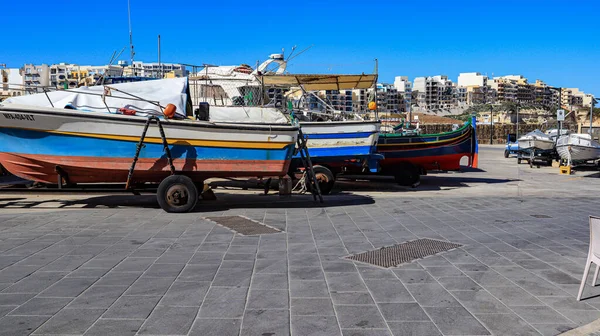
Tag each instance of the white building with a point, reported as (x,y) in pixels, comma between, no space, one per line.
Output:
(35,77)
(155,70)
(8,77)
(472,79)
(404,88)
(434,93)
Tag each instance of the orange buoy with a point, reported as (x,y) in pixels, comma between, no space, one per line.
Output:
(169,111)
(372,106)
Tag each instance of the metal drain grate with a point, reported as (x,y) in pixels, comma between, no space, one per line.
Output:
(243,225)
(541,216)
(402,253)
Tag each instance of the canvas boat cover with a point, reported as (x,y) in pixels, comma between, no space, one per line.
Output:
(537,135)
(247,114)
(322,82)
(164,91)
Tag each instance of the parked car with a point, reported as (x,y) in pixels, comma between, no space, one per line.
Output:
(512,145)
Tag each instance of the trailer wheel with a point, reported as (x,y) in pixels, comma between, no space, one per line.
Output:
(177,194)
(506,153)
(325,179)
(519,161)
(407,175)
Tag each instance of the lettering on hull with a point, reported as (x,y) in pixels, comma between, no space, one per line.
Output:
(14,116)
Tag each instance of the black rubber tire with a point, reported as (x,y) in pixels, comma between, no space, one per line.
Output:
(182,185)
(518,161)
(506,153)
(407,175)
(325,178)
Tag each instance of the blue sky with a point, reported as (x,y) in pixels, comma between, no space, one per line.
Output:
(556,41)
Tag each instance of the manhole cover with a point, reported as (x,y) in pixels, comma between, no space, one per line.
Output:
(402,253)
(541,216)
(243,225)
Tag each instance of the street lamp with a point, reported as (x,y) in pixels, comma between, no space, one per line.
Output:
(491,124)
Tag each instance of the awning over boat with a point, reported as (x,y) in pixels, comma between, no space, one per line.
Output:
(322,82)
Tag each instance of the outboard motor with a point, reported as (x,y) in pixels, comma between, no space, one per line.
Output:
(202,112)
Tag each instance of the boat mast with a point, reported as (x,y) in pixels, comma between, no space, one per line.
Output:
(132,53)
(592,103)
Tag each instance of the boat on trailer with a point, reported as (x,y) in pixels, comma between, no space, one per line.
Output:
(92,135)
(578,148)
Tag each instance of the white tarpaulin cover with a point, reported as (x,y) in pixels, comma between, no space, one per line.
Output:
(163,91)
(247,114)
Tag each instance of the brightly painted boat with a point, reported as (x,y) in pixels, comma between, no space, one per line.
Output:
(92,146)
(330,141)
(442,151)
(578,147)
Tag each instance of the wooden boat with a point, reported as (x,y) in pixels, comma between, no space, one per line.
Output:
(406,157)
(41,143)
(578,147)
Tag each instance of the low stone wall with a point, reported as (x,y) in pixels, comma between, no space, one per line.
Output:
(501,131)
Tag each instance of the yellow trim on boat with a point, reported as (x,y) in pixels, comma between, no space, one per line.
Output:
(189,142)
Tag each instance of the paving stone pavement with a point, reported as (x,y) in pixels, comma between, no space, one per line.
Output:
(140,271)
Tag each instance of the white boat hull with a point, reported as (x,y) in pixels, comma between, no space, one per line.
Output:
(578,148)
(528,144)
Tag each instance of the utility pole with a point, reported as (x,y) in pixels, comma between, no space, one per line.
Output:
(132,53)
(491,124)
(592,103)
(159,65)
(375,89)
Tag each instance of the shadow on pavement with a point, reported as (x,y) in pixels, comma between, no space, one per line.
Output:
(225,201)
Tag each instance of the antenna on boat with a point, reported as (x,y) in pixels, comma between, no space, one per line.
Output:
(130,33)
(298,54)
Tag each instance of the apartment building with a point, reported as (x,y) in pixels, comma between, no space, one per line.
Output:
(35,77)
(433,93)
(156,70)
(468,79)
(404,88)
(10,83)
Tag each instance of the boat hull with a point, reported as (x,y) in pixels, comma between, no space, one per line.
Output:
(531,144)
(577,148)
(96,147)
(338,141)
(428,152)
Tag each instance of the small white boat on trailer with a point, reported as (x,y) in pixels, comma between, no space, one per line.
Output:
(578,147)
(536,140)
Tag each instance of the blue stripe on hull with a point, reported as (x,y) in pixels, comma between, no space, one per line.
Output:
(35,142)
(338,153)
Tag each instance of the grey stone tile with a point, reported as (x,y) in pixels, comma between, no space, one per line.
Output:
(312,306)
(107,327)
(7,309)
(198,272)
(540,314)
(376,273)
(359,317)
(352,298)
(455,321)
(224,302)
(315,325)
(403,312)
(14,299)
(164,270)
(565,302)
(81,272)
(202,327)
(414,329)
(186,294)
(366,332)
(134,264)
(270,281)
(306,273)
(339,266)
(67,263)
(132,307)
(458,283)
(553,329)
(233,277)
(206,257)
(388,291)
(35,283)
(345,282)
(118,279)
(480,301)
(268,299)
(97,297)
(271,266)
(506,324)
(150,286)
(432,295)
(514,296)
(266,322)
(42,306)
(490,278)
(68,287)
(70,321)
(20,325)
(409,276)
(443,271)
(169,321)
(581,317)
(15,273)
(308,288)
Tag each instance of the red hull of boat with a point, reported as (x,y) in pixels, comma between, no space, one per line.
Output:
(42,168)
